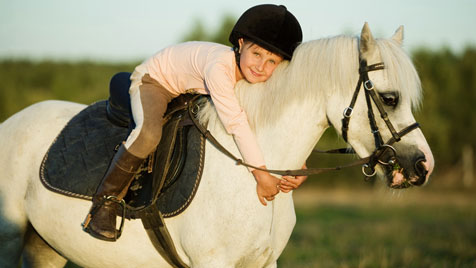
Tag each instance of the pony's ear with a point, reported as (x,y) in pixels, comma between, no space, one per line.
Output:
(367,41)
(398,35)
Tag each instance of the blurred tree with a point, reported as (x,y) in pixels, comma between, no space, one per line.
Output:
(199,33)
(26,82)
(448,114)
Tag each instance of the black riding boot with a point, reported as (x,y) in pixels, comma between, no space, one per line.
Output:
(101,220)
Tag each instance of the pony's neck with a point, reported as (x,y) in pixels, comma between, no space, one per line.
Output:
(287,143)
(288,112)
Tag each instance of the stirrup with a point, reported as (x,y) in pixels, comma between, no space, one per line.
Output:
(111,198)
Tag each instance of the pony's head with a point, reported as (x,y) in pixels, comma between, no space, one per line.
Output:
(396,88)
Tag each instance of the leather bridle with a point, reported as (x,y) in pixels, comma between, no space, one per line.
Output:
(371,95)
(379,156)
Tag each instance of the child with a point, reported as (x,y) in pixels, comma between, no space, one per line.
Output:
(262,37)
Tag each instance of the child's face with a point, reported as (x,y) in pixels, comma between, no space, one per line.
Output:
(257,64)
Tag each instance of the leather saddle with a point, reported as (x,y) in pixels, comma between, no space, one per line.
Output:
(80,155)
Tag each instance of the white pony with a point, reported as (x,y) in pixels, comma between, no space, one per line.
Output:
(225,226)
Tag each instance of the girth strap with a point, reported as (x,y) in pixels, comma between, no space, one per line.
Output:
(154,225)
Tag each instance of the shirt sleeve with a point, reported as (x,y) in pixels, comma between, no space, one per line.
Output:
(220,84)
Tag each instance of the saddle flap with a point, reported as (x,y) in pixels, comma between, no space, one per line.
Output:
(177,167)
(159,165)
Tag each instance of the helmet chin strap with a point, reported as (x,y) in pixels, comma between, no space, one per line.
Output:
(236,49)
(237,55)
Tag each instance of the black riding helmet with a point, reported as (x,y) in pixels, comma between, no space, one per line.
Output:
(272,27)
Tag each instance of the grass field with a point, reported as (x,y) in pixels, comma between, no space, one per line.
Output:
(383,228)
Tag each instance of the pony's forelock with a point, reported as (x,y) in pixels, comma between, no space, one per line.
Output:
(401,73)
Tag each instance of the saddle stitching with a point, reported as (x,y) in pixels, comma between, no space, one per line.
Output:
(197,182)
(48,185)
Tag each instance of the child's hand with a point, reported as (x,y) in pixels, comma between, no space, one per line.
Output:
(289,183)
(267,186)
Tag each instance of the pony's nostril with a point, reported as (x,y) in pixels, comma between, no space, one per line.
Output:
(420,169)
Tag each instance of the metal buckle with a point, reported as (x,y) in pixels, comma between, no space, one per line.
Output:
(348,112)
(369,85)
(195,109)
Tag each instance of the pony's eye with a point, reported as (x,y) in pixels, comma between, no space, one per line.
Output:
(389,98)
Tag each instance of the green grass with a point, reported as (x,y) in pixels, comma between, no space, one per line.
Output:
(349,234)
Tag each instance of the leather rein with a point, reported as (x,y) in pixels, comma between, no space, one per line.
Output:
(368,163)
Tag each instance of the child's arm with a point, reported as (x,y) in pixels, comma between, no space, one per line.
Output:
(289,183)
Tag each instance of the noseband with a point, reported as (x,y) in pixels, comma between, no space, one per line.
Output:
(370,95)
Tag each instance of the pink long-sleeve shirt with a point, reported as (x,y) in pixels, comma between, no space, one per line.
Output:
(205,68)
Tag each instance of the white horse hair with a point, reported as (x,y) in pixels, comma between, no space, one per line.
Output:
(225,226)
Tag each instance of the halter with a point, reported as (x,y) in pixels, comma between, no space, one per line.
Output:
(368,163)
(371,95)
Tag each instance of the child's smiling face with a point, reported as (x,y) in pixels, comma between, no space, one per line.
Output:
(256,63)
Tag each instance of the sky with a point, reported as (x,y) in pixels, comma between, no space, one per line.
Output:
(131,30)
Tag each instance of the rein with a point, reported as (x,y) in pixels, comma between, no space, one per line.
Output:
(368,163)
(298,172)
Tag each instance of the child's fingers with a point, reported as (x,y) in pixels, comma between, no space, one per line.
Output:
(285,186)
(290,178)
(286,189)
(291,182)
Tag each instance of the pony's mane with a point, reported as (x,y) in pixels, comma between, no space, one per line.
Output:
(307,79)
(320,68)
